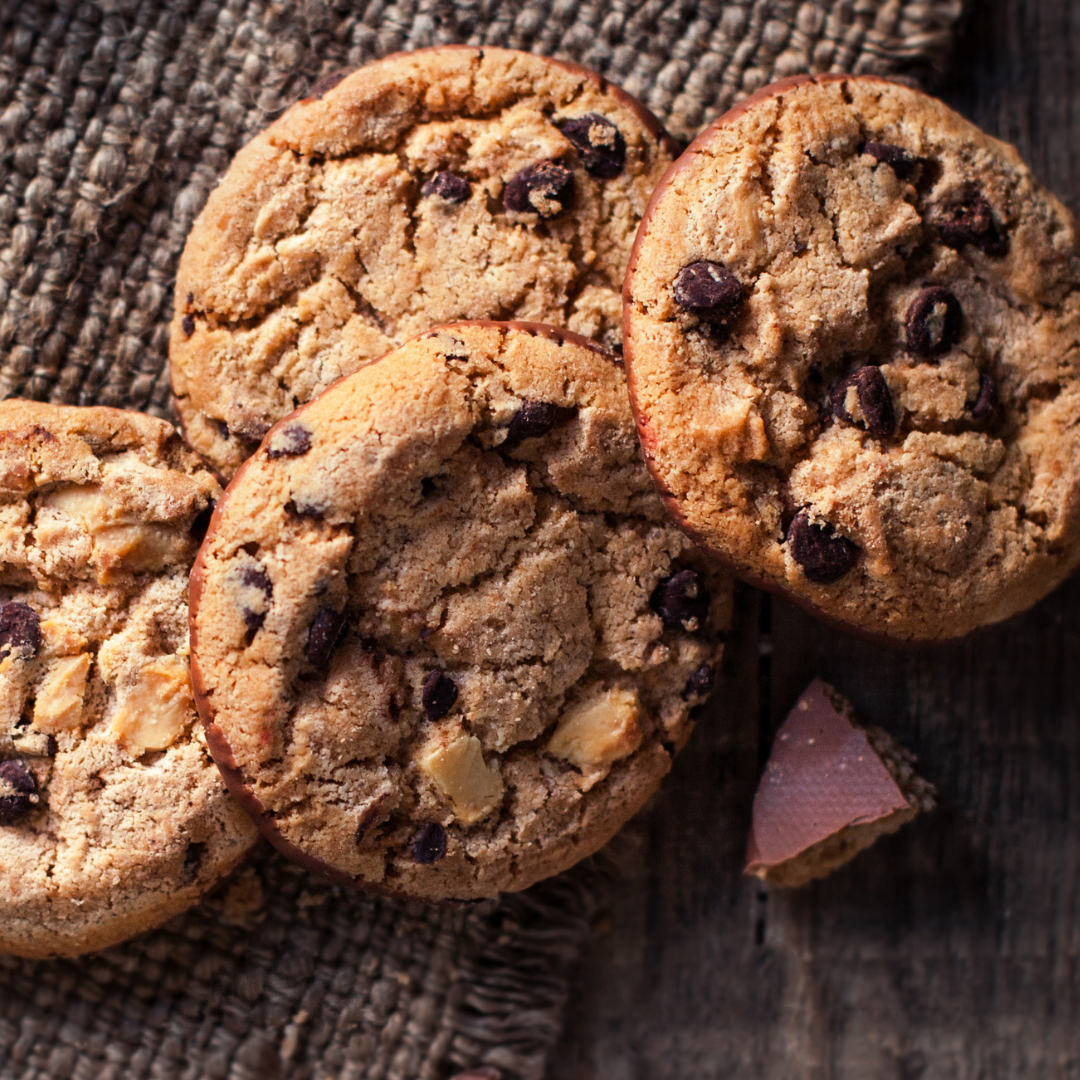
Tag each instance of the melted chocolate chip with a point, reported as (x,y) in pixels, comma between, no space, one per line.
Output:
(681,600)
(18,791)
(304,510)
(255,578)
(429,843)
(533,419)
(187,323)
(193,857)
(700,683)
(448,186)
(875,401)
(291,441)
(934,321)
(974,223)
(987,400)
(708,289)
(323,635)
(544,188)
(438,695)
(824,556)
(20,629)
(896,157)
(600,143)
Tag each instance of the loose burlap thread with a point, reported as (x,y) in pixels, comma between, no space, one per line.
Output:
(116,119)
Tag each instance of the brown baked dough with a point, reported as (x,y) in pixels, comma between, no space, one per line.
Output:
(448,183)
(852,329)
(444,638)
(113,817)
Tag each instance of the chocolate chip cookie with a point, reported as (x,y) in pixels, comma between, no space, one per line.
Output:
(113,817)
(444,638)
(449,183)
(852,326)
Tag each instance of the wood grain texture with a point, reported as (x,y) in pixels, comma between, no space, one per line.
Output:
(950,950)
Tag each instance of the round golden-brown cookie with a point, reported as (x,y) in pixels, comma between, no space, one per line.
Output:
(449,183)
(444,638)
(113,817)
(852,333)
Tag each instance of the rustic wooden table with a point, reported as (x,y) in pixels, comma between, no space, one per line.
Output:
(951,949)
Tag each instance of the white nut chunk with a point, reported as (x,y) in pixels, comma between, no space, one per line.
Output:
(455,762)
(599,731)
(58,704)
(157,708)
(121,540)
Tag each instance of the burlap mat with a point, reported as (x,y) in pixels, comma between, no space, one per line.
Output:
(116,118)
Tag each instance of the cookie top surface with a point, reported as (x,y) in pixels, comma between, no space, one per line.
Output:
(449,183)
(443,634)
(851,327)
(113,817)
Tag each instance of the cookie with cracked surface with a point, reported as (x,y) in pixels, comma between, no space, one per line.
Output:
(444,638)
(450,183)
(113,816)
(852,333)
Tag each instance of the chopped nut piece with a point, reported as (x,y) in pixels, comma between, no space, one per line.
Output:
(121,540)
(59,702)
(60,639)
(600,731)
(456,764)
(157,708)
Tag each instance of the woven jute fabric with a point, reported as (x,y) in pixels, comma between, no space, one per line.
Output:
(116,119)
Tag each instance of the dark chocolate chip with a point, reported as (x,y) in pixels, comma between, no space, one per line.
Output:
(255,578)
(987,400)
(323,635)
(934,321)
(303,510)
(974,223)
(428,487)
(188,325)
(222,428)
(429,843)
(201,522)
(193,858)
(18,791)
(824,556)
(875,401)
(449,187)
(325,85)
(700,684)
(20,629)
(681,600)
(896,157)
(544,188)
(708,289)
(533,419)
(291,441)
(438,695)
(600,143)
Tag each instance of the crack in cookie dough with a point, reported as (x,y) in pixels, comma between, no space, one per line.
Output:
(500,684)
(113,817)
(444,184)
(879,420)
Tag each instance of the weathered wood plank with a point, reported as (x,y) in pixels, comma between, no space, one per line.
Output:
(951,950)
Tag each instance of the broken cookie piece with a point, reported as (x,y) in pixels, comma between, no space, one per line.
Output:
(830,789)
